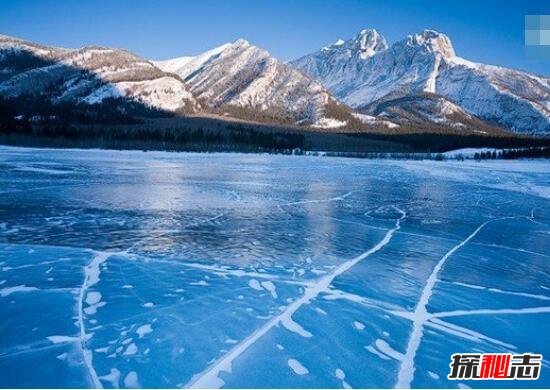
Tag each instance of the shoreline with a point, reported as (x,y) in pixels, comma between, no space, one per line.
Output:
(463,154)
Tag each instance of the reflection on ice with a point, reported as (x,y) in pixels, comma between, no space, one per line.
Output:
(131,269)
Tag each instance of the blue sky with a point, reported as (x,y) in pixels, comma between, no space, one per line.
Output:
(484,31)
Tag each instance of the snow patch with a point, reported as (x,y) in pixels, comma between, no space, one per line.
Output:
(131,380)
(6,291)
(143,330)
(329,123)
(131,350)
(372,120)
(297,367)
(433,375)
(113,378)
(62,339)
(269,286)
(93,297)
(253,283)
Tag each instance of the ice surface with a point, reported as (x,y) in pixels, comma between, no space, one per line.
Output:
(155,269)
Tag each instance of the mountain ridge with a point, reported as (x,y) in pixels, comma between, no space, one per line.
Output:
(88,75)
(240,76)
(359,85)
(427,62)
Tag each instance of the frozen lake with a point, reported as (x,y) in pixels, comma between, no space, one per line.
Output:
(132,269)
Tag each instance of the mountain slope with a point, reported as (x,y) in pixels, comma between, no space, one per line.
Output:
(246,81)
(431,112)
(427,63)
(184,66)
(87,75)
(340,66)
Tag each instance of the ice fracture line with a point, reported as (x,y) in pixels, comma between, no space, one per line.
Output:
(210,377)
(420,315)
(91,277)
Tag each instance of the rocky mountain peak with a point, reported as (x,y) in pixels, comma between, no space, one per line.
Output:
(369,41)
(240,44)
(434,41)
(364,45)
(426,62)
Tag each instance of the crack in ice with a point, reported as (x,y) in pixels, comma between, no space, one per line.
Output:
(217,269)
(421,315)
(333,199)
(465,333)
(334,294)
(91,277)
(210,377)
(500,291)
(167,232)
(524,310)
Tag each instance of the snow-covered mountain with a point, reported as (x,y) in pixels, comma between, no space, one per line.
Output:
(416,82)
(340,66)
(88,75)
(235,79)
(184,66)
(364,72)
(245,80)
